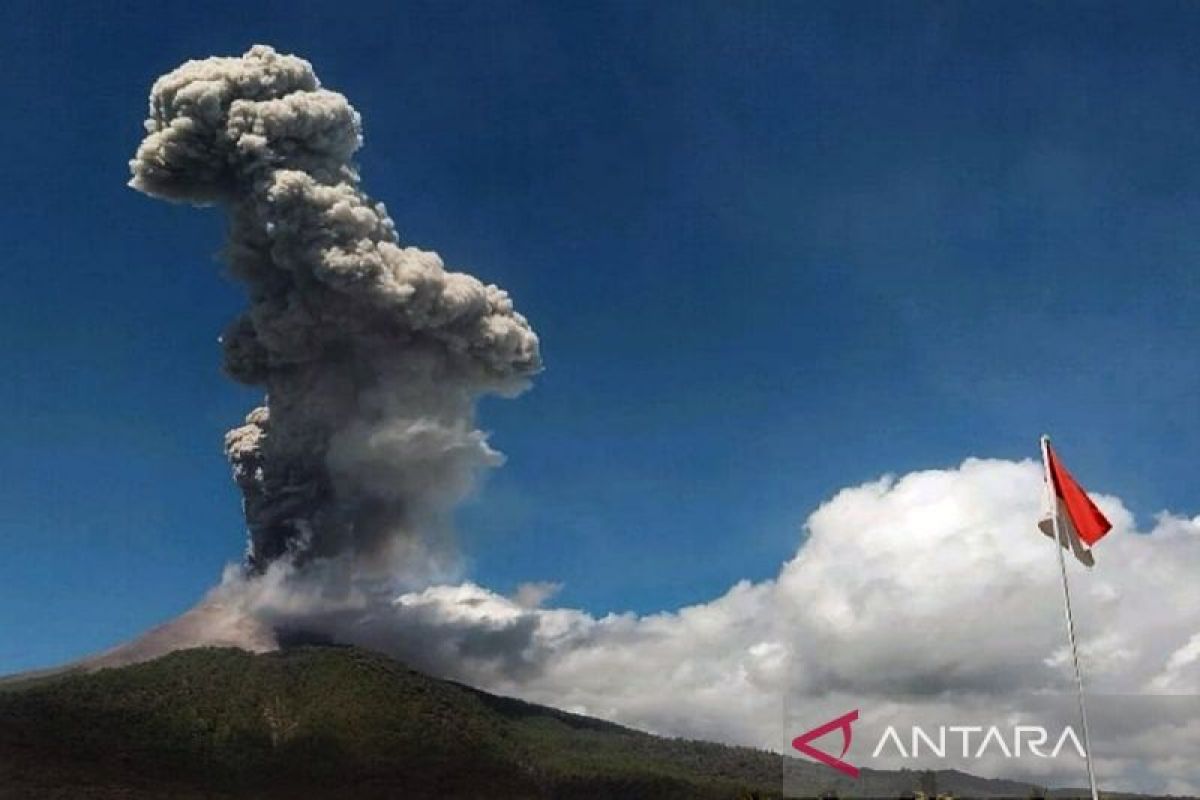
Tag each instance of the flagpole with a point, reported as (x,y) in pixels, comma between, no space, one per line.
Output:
(1060,545)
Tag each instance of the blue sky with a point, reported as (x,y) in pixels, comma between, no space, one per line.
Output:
(772,250)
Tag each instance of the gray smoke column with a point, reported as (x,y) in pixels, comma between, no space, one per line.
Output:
(372,355)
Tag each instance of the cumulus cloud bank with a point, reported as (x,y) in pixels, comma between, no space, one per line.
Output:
(932,582)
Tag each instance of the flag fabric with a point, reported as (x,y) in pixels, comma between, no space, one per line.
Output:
(1081,522)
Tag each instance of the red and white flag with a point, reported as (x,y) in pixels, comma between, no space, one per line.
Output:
(1082,524)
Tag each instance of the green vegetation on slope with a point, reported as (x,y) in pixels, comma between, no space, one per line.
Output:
(333,722)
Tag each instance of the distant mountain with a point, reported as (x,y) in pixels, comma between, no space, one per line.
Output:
(324,722)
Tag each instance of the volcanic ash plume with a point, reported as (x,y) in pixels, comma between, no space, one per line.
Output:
(372,354)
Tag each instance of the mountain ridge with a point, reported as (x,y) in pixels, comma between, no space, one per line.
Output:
(339,721)
(331,722)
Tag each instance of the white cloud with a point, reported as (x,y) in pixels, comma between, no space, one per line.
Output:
(930,582)
(909,591)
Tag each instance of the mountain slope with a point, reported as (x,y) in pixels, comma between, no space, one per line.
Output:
(332,722)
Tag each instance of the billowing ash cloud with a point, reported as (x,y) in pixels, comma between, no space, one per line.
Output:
(372,354)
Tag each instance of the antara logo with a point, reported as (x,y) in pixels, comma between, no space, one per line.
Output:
(1025,739)
(803,743)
